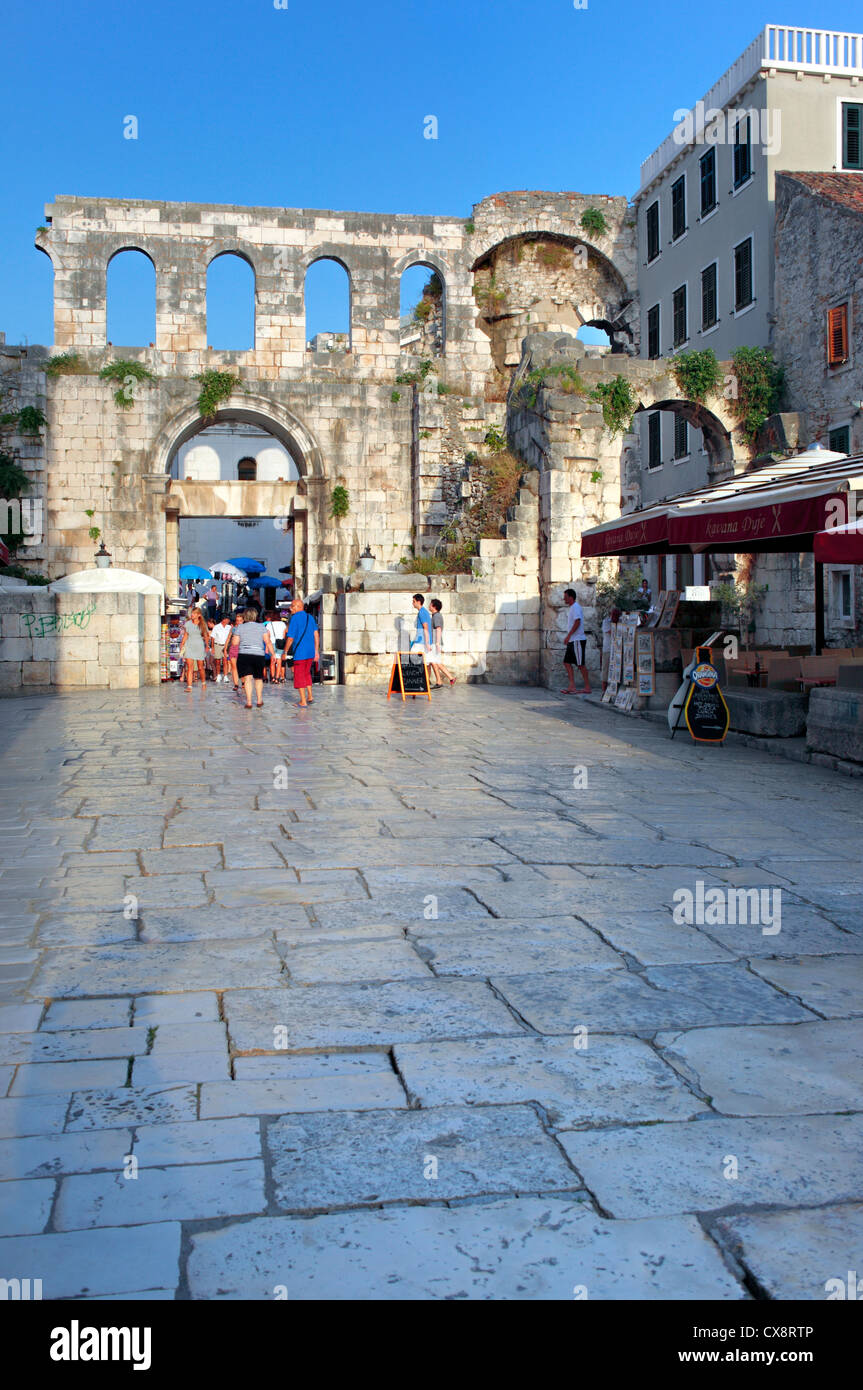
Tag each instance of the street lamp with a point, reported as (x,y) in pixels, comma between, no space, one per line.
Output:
(103,557)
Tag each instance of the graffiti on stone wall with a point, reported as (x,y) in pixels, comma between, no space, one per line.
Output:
(44,624)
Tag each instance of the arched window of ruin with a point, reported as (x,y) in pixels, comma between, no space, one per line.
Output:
(327,296)
(247,470)
(130,293)
(422,309)
(230,303)
(593,336)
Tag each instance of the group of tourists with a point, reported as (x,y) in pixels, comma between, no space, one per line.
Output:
(243,651)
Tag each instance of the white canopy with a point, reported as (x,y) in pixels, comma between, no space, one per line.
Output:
(223,569)
(106,581)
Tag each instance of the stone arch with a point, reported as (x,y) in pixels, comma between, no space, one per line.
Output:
(341,255)
(717,426)
(438,266)
(241,255)
(253,410)
(122,250)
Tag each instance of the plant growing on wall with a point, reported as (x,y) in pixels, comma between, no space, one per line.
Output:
(593,222)
(64,364)
(19,572)
(739,600)
(216,387)
(395,397)
(127,374)
(94,533)
(698,374)
(618,402)
(470,228)
(340,503)
(760,385)
(494,440)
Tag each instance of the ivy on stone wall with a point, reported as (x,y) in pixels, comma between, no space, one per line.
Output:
(698,374)
(593,222)
(340,503)
(760,385)
(618,402)
(128,374)
(216,387)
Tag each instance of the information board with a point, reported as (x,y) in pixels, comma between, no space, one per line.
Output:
(704,709)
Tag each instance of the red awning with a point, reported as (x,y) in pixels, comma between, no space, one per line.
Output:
(840,545)
(5,557)
(639,534)
(775,525)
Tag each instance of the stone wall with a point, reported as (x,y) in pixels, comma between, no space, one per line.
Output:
(77,641)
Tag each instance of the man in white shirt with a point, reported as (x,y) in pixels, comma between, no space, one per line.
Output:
(220,634)
(575,644)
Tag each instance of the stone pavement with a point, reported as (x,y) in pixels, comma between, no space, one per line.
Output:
(383,1000)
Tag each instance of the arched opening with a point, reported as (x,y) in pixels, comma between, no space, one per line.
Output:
(230,303)
(130,295)
(594,336)
(327,298)
(218,523)
(422,311)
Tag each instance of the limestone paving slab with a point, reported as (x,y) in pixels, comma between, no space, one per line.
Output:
(78,1044)
(565,845)
(364,1015)
(139,967)
(49,1155)
(235,889)
(19,1018)
(407,908)
(96,1263)
(800,1254)
(609,1079)
(85,928)
(75,1014)
(833,986)
(529,1248)
(180,1066)
(802,932)
(127,832)
(378,851)
(159,1009)
(363,1158)
(25,1206)
(616,1001)
(167,890)
(197,1141)
(110,1109)
(371,1090)
(38,1077)
(786,1070)
(654,939)
(660,1170)
(290,1066)
(44,1114)
(192,1192)
(345,962)
(485,951)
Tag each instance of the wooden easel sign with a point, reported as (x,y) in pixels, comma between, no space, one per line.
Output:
(409,676)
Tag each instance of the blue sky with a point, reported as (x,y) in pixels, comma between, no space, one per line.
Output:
(322,105)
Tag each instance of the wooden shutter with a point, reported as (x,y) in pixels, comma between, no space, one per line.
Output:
(708,297)
(837,335)
(852,136)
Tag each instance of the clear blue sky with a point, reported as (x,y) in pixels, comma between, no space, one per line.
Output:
(322,105)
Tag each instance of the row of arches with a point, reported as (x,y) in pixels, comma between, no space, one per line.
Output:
(230,302)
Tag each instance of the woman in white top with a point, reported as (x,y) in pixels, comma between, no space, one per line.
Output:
(278,631)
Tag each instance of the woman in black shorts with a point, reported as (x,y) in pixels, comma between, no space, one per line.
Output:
(256,649)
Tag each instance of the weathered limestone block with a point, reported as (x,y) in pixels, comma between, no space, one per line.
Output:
(768,713)
(835,723)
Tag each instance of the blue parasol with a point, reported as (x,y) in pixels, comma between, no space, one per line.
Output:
(244,562)
(194,572)
(266,581)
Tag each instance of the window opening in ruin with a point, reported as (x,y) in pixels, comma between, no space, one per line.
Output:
(230,303)
(327,297)
(247,470)
(421,312)
(130,292)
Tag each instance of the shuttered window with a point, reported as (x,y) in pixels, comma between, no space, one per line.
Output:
(653,349)
(654,440)
(708,182)
(743,274)
(653,231)
(709,311)
(837,336)
(678,317)
(742,152)
(852,135)
(678,208)
(681,437)
(839,440)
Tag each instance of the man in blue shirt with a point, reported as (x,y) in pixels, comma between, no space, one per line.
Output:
(424,623)
(303,643)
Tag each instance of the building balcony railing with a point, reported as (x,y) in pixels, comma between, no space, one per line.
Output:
(787,49)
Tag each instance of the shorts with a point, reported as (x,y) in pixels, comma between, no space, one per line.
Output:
(574,654)
(218,650)
(250,664)
(302,674)
(233,651)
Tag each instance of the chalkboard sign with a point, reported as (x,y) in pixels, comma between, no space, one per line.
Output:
(409,676)
(705,710)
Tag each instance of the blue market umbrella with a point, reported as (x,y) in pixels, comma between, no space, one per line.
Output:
(266,581)
(244,562)
(194,572)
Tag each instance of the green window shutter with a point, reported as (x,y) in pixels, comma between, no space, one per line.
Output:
(852,135)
